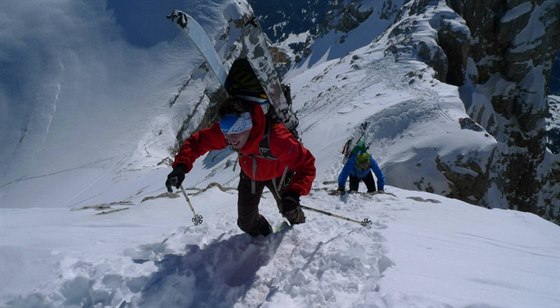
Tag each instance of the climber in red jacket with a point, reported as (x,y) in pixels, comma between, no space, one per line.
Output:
(269,155)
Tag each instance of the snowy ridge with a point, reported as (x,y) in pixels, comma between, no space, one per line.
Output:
(414,119)
(166,261)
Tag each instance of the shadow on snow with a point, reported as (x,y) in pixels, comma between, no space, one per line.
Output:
(217,275)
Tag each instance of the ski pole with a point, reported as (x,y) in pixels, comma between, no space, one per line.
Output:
(197,219)
(366,222)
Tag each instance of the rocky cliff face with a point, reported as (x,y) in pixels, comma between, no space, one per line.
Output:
(298,24)
(554,81)
(501,54)
(433,33)
(513,47)
(280,19)
(553,124)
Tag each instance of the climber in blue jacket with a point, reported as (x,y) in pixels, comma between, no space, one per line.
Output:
(358,168)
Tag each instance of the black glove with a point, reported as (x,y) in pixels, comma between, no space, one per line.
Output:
(176,177)
(291,208)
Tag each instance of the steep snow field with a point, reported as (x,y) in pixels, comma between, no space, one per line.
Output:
(87,128)
(422,250)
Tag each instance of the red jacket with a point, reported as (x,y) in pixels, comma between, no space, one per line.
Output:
(288,151)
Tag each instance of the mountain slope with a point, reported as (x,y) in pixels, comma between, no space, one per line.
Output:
(128,105)
(171,104)
(311,32)
(500,60)
(422,250)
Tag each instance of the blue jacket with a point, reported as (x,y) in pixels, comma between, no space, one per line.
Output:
(351,169)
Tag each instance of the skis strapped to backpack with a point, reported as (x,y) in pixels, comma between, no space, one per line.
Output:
(252,76)
(356,144)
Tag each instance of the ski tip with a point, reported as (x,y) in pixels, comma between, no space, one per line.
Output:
(179,18)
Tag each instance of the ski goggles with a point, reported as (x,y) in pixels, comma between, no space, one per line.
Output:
(236,123)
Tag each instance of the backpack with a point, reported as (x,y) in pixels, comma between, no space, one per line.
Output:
(352,147)
(242,82)
(349,149)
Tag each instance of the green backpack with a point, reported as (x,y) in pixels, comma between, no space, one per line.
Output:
(349,149)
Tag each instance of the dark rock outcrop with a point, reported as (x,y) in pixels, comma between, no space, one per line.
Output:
(504,51)
(513,47)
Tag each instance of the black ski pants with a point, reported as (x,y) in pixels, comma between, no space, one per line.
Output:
(368,180)
(248,218)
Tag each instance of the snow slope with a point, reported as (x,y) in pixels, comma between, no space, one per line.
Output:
(112,124)
(89,106)
(422,250)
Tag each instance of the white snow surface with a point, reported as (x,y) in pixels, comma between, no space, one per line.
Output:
(98,123)
(422,250)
